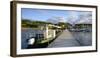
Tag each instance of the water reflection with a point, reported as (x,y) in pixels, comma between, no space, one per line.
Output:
(81,38)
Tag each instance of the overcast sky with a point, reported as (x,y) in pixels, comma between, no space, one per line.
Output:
(70,16)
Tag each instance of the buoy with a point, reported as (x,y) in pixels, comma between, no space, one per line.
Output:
(31,41)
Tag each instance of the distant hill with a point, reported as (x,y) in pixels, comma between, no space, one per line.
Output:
(56,20)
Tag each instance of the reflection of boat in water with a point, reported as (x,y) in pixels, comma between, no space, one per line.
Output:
(42,37)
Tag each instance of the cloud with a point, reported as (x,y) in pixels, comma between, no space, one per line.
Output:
(75,17)
(72,17)
(85,17)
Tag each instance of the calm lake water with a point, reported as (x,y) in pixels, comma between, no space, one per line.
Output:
(27,34)
(83,38)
